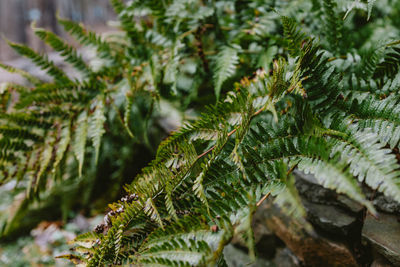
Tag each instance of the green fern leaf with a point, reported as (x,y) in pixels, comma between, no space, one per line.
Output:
(151,210)
(293,35)
(32,79)
(86,37)
(370,5)
(127,114)
(79,142)
(65,138)
(96,126)
(334,24)
(328,173)
(225,67)
(41,61)
(45,158)
(65,50)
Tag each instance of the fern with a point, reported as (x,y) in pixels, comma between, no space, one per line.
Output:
(42,61)
(293,35)
(80,140)
(328,108)
(370,6)
(23,73)
(64,49)
(96,126)
(333,24)
(226,62)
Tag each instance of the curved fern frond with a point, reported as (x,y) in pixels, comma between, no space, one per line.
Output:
(41,61)
(96,126)
(225,67)
(79,142)
(86,37)
(293,35)
(68,52)
(32,79)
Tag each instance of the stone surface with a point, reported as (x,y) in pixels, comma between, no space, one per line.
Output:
(309,189)
(381,262)
(386,204)
(311,249)
(307,177)
(350,204)
(330,218)
(285,258)
(265,241)
(383,235)
(236,257)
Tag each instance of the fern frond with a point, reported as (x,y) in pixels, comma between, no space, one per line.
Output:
(86,37)
(41,61)
(334,24)
(127,114)
(293,35)
(62,145)
(151,210)
(79,143)
(312,154)
(370,161)
(370,5)
(389,67)
(370,61)
(65,50)
(126,19)
(96,126)
(32,79)
(45,158)
(225,67)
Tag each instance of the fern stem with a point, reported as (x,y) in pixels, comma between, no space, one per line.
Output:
(262,199)
(334,58)
(229,134)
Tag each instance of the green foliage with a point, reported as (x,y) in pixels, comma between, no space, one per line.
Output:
(324,104)
(226,62)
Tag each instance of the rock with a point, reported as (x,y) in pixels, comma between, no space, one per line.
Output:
(314,192)
(285,258)
(331,218)
(310,178)
(381,262)
(266,246)
(311,249)
(265,241)
(383,235)
(350,204)
(386,204)
(235,257)
(309,189)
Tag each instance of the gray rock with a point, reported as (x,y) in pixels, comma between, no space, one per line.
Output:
(265,241)
(383,235)
(313,191)
(381,262)
(310,248)
(235,257)
(330,218)
(309,189)
(285,258)
(307,177)
(350,204)
(386,204)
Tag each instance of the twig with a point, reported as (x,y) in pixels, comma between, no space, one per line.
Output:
(212,148)
(291,169)
(334,58)
(262,199)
